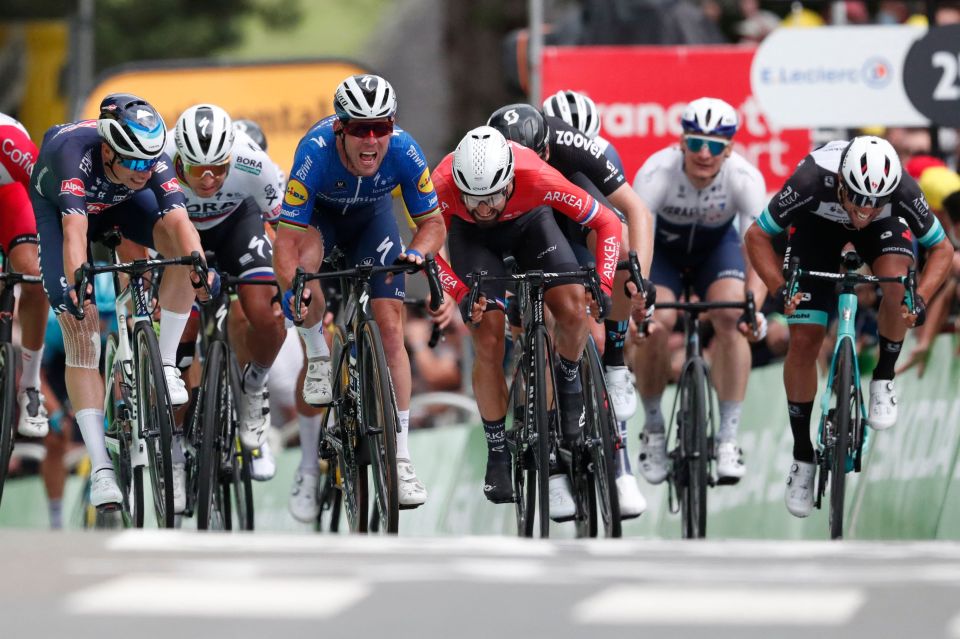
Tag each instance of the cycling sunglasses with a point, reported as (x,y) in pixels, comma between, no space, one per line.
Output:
(715,145)
(361,129)
(199,170)
(864,201)
(494,200)
(135,164)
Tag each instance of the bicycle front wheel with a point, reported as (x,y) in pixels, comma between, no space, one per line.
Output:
(519,440)
(155,418)
(542,373)
(843,387)
(381,424)
(601,438)
(693,462)
(214,413)
(8,399)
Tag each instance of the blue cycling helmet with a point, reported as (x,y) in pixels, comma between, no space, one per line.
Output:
(710,116)
(131,127)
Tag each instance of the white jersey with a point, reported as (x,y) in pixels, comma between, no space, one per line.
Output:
(252,175)
(690,219)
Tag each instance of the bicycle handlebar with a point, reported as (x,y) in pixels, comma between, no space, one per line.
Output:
(587,274)
(793,274)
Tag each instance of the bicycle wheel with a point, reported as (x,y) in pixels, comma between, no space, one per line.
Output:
(236,462)
(381,424)
(346,440)
(155,419)
(601,438)
(215,413)
(844,396)
(518,438)
(8,399)
(539,411)
(116,408)
(693,460)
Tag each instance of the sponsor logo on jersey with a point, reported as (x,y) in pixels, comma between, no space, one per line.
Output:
(788,196)
(425,184)
(95,207)
(249,165)
(171,186)
(566,198)
(569,138)
(270,194)
(19,157)
(340,184)
(415,156)
(73,186)
(829,181)
(611,252)
(296,194)
(304,169)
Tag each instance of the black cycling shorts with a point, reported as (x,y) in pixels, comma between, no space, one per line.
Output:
(241,244)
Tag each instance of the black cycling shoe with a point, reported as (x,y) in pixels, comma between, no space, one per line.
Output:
(498,482)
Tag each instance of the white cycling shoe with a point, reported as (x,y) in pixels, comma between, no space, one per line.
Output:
(632,502)
(33,420)
(264,466)
(412,492)
(175,385)
(883,404)
(653,457)
(317,387)
(730,467)
(104,488)
(562,507)
(799,496)
(304,503)
(622,394)
(179,488)
(254,419)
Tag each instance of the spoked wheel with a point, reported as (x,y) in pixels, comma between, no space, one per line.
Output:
(600,436)
(8,400)
(117,411)
(155,419)
(518,438)
(215,414)
(539,413)
(694,458)
(236,463)
(381,424)
(844,396)
(353,476)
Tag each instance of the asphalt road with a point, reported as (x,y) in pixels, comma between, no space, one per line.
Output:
(173,584)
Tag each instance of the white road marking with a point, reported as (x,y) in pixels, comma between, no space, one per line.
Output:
(197,596)
(683,606)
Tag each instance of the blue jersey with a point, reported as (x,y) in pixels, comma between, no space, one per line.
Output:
(69,174)
(319,180)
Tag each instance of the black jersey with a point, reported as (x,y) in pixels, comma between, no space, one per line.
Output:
(572,152)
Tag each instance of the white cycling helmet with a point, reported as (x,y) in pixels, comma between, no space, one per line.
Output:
(132,128)
(365,97)
(710,116)
(575,109)
(482,162)
(204,135)
(870,171)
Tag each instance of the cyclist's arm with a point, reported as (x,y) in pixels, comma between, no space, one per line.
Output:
(936,268)
(751,193)
(763,258)
(421,202)
(911,206)
(74,245)
(452,284)
(286,253)
(19,153)
(639,223)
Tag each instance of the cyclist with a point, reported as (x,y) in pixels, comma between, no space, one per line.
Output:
(579,111)
(845,191)
(580,160)
(696,190)
(18,240)
(496,197)
(338,194)
(253,131)
(85,176)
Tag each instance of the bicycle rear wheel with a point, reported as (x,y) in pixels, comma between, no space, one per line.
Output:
(214,414)
(8,399)
(693,461)
(601,438)
(381,424)
(840,450)
(155,418)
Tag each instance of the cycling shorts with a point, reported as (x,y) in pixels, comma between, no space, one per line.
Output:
(17,224)
(723,260)
(241,244)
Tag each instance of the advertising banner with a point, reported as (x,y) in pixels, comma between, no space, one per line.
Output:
(641,93)
(285,98)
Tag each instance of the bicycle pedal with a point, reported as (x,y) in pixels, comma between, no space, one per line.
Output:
(409,506)
(727,481)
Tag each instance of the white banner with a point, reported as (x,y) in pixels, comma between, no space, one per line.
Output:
(835,76)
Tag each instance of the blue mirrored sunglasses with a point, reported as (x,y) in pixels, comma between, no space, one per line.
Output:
(715,145)
(137,165)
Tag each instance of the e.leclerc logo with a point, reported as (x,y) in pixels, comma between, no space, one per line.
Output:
(876,72)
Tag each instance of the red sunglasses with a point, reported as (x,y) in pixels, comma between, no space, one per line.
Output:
(361,129)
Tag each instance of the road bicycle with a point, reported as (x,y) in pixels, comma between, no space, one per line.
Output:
(363,432)
(841,435)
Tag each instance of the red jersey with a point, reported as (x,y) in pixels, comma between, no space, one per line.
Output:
(536,184)
(18,153)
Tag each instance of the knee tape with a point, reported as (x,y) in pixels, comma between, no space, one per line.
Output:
(81,339)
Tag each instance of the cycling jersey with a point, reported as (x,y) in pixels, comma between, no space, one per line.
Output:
(252,175)
(610,151)
(70,175)
(18,153)
(319,182)
(812,190)
(572,152)
(535,184)
(690,220)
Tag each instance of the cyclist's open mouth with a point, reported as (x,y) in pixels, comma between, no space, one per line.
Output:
(368,158)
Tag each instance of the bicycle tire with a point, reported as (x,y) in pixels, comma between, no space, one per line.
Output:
(155,417)
(382,438)
(518,438)
(129,479)
(348,452)
(235,459)
(842,387)
(8,400)
(694,459)
(542,374)
(213,414)
(602,434)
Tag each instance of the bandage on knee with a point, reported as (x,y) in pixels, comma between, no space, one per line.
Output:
(81,339)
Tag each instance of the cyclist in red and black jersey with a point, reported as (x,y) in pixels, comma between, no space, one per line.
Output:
(496,198)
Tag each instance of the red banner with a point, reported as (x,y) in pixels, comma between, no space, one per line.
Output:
(641,92)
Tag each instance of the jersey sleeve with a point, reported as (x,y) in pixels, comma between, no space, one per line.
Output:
(18,153)
(166,186)
(268,188)
(416,187)
(910,204)
(797,193)
(650,184)
(69,168)
(751,194)
(301,186)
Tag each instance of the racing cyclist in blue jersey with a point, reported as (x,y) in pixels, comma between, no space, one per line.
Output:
(83,183)
(338,195)
(696,190)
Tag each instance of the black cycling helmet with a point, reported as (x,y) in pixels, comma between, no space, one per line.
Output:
(131,127)
(253,130)
(523,124)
